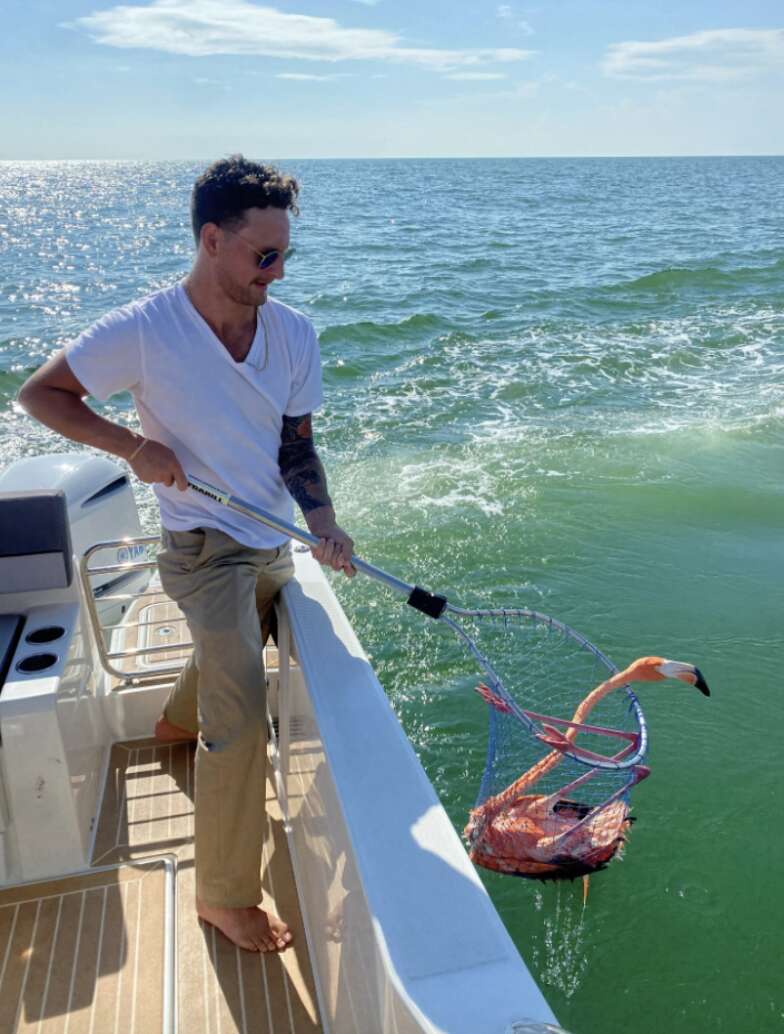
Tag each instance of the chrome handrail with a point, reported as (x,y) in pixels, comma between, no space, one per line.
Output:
(123,568)
(142,624)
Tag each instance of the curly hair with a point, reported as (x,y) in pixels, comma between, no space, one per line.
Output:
(230,185)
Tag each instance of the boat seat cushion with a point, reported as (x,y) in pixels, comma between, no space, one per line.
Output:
(35,542)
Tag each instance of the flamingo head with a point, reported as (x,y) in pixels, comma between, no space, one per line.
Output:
(655,669)
(686,673)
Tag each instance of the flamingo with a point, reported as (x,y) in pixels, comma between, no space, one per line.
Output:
(546,836)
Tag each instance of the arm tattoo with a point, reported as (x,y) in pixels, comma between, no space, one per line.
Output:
(300,467)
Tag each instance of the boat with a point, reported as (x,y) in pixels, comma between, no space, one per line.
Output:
(393,929)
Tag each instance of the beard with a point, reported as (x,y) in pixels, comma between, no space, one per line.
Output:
(239,293)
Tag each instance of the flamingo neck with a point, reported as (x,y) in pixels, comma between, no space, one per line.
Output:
(493,805)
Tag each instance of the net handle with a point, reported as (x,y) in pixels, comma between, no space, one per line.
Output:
(429,603)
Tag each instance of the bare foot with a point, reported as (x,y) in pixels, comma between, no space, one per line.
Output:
(168,733)
(251,928)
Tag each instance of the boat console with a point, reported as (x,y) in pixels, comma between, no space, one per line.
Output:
(52,728)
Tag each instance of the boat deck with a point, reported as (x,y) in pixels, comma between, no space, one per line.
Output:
(76,950)
(95,952)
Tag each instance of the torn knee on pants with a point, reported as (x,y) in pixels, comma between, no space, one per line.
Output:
(215,745)
(210,745)
(241,739)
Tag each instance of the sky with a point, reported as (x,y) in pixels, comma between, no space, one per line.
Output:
(193,79)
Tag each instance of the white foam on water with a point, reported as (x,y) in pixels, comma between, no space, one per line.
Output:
(670,374)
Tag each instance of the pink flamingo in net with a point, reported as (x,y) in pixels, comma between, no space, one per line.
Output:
(544,835)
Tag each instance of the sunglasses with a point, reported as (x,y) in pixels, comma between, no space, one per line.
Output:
(266,258)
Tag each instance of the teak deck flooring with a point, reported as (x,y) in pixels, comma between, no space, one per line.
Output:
(153,620)
(148,809)
(85,953)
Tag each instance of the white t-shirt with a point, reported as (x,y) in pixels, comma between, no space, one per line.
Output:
(221,418)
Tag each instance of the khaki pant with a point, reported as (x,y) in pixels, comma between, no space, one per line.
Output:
(226,591)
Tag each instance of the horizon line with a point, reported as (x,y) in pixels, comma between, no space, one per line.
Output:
(420,158)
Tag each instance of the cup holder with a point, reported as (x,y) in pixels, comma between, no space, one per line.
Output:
(37,662)
(45,635)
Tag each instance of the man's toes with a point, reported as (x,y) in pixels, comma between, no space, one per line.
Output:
(246,944)
(279,930)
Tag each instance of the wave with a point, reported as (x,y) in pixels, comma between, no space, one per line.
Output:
(370,332)
(564,378)
(708,277)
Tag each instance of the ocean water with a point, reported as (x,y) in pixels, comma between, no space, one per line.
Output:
(549,383)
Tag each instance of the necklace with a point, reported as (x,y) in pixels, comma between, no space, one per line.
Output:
(263,364)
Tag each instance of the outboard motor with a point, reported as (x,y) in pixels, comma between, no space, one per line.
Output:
(53,729)
(101,507)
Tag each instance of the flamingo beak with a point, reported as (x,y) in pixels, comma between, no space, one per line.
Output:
(686,673)
(700,683)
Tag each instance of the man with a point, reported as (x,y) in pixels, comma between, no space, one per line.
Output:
(224,380)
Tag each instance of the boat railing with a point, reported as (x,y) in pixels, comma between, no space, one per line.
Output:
(103,631)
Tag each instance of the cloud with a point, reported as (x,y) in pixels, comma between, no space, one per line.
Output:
(524,90)
(714,55)
(507,14)
(476,76)
(198,28)
(514,92)
(307,77)
(201,80)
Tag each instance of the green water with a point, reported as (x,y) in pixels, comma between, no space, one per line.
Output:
(555,384)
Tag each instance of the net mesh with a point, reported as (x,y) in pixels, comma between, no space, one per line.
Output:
(541,813)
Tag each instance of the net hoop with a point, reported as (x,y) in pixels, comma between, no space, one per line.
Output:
(535,617)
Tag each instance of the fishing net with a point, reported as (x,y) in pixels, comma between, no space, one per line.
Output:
(562,756)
